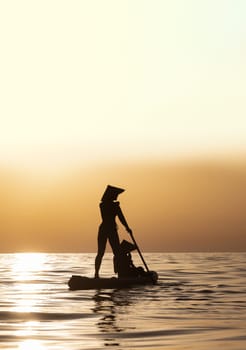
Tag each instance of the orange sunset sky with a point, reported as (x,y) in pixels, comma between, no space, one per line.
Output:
(145,95)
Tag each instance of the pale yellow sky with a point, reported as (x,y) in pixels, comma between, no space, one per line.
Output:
(95,80)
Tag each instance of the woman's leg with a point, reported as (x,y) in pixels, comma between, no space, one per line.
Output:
(114,241)
(101,244)
(115,245)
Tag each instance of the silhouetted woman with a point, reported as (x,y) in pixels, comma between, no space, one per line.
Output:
(110,209)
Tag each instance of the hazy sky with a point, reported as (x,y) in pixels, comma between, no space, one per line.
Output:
(111,79)
(83,83)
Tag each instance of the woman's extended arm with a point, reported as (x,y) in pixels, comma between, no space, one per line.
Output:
(122,218)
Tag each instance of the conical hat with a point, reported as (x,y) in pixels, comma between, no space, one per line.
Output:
(127,247)
(111,193)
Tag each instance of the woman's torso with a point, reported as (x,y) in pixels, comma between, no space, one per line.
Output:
(109,211)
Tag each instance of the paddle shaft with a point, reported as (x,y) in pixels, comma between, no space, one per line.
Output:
(139,252)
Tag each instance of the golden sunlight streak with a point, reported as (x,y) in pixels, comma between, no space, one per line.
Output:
(28,298)
(31,344)
(24,269)
(27,330)
(26,264)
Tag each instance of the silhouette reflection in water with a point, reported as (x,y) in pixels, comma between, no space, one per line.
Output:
(110,306)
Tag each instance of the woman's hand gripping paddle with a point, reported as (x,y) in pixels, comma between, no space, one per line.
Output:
(139,252)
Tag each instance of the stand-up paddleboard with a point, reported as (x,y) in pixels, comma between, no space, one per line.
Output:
(80,282)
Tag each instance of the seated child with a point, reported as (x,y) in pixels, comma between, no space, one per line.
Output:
(123,264)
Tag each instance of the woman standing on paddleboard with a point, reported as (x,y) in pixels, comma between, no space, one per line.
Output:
(110,209)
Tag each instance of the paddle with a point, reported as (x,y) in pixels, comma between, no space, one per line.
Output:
(139,252)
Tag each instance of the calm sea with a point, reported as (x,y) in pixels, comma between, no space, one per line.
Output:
(198,304)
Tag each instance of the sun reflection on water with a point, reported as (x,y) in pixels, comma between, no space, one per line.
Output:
(25,270)
(27,264)
(27,330)
(31,344)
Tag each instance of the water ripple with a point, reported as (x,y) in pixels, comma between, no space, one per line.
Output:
(199,303)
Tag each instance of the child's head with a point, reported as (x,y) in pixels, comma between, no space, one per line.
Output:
(126,247)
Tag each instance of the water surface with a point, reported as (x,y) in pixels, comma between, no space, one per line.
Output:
(199,303)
